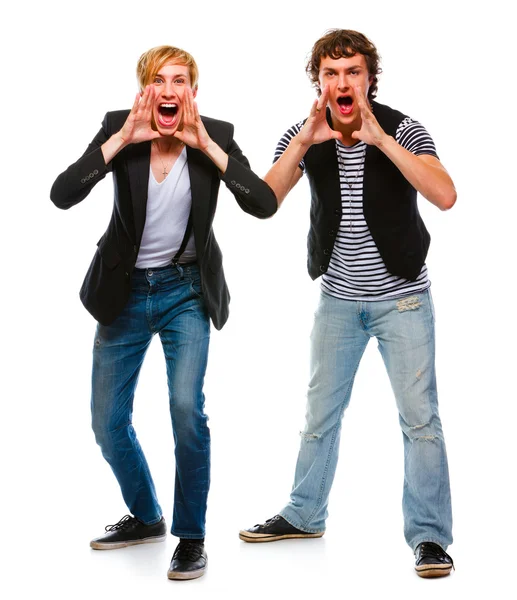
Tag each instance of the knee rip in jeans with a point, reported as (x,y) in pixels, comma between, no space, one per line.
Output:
(409,303)
(416,428)
(308,437)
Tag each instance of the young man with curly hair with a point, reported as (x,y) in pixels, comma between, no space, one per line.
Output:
(365,163)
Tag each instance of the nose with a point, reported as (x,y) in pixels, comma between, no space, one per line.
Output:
(168,90)
(342,83)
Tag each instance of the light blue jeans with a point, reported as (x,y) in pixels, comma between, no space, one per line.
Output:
(404,329)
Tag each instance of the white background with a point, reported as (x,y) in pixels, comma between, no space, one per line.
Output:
(447,64)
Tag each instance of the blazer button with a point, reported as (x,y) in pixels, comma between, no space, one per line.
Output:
(332,232)
(326,252)
(83,180)
(233,182)
(135,248)
(96,172)
(247,191)
(323,268)
(127,274)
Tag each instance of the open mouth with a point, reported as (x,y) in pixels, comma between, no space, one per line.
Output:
(345,104)
(167,112)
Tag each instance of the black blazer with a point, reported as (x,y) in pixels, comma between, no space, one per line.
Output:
(107,284)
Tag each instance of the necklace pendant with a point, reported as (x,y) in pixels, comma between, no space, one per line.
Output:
(164,171)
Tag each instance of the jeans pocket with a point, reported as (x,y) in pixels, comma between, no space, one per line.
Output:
(195,285)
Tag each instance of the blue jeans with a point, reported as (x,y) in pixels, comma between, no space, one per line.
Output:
(404,329)
(167,301)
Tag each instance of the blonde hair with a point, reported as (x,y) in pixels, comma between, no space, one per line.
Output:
(153,60)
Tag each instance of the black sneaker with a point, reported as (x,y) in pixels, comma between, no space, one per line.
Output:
(276,528)
(432,560)
(188,561)
(129,531)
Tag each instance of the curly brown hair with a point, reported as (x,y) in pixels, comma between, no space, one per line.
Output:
(337,43)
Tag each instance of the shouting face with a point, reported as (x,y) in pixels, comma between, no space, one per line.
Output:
(344,76)
(169,88)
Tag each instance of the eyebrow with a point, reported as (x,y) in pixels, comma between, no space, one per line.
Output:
(353,68)
(184,75)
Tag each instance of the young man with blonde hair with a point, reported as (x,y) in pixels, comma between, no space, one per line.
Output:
(158,269)
(365,163)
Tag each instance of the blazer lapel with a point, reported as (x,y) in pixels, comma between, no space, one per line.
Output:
(138,168)
(199,167)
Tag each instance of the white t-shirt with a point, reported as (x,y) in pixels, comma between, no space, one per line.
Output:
(168,209)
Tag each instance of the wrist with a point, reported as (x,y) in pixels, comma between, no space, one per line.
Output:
(383,141)
(112,147)
(120,140)
(301,142)
(209,148)
(216,154)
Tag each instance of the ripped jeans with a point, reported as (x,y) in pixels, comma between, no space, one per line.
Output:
(404,329)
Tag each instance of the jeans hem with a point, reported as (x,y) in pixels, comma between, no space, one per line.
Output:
(188,536)
(426,538)
(157,520)
(285,514)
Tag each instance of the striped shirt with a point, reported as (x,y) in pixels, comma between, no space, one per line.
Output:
(356,270)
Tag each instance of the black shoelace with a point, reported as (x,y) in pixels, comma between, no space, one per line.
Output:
(126,521)
(269,521)
(432,550)
(189,550)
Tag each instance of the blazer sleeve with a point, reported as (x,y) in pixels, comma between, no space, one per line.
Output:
(74,184)
(252,193)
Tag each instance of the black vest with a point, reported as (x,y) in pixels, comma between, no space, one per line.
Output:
(389,205)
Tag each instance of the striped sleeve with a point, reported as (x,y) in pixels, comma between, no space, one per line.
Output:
(285,140)
(413,136)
